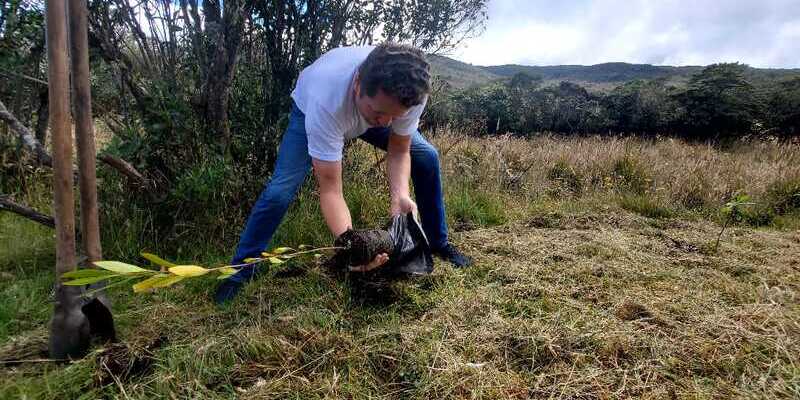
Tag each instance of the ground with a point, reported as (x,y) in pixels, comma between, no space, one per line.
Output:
(559,304)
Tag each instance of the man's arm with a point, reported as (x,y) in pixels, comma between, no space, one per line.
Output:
(331,197)
(334,208)
(398,160)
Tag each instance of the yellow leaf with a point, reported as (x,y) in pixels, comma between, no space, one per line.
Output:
(281,250)
(161,280)
(228,270)
(275,260)
(251,260)
(157,260)
(188,270)
(119,267)
(304,247)
(267,254)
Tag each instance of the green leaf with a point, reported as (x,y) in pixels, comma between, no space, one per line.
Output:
(281,250)
(275,260)
(160,280)
(157,260)
(188,270)
(120,267)
(86,273)
(304,247)
(251,260)
(224,276)
(89,280)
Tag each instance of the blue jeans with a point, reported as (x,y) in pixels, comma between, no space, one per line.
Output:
(292,167)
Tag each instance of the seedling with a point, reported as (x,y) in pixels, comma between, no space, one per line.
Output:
(732,211)
(119,273)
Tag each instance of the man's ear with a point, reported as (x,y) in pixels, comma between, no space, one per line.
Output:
(357,86)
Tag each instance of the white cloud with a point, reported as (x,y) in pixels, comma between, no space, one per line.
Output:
(763,33)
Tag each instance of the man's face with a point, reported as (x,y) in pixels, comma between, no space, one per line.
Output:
(378,110)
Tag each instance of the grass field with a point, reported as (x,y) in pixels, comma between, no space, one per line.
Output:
(596,276)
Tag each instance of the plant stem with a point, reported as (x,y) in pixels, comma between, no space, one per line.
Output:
(292,255)
(725,225)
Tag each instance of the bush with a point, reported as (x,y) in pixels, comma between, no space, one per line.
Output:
(784,196)
(630,176)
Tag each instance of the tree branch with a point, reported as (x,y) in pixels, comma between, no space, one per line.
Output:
(28,139)
(126,169)
(7,205)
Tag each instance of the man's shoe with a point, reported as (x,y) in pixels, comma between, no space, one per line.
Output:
(451,254)
(227,290)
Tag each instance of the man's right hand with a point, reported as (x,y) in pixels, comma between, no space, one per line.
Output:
(376,262)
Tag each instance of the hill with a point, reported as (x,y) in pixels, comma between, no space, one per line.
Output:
(599,76)
(460,74)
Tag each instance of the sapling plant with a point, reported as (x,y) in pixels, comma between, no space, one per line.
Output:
(732,211)
(143,279)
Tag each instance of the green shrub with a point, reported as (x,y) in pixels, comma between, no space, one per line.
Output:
(468,208)
(630,175)
(784,196)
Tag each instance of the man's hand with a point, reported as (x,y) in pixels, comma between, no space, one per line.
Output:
(379,260)
(402,205)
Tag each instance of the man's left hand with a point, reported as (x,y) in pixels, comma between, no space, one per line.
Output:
(402,205)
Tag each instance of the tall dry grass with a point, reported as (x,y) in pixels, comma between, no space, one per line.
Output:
(679,173)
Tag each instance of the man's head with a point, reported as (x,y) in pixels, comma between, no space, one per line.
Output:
(391,80)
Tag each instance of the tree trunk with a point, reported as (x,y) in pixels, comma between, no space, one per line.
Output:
(69,328)
(216,89)
(87,168)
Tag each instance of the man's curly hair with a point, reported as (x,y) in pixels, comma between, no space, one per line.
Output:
(401,71)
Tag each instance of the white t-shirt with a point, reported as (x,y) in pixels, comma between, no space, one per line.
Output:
(324,93)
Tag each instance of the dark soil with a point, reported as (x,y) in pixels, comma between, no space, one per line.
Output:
(121,362)
(361,246)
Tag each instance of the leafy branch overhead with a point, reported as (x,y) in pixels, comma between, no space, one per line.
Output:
(117,273)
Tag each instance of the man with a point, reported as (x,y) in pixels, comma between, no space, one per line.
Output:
(376,94)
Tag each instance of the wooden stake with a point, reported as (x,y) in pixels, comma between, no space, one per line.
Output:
(84,133)
(58,78)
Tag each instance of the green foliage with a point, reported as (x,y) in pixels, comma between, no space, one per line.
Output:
(720,100)
(645,205)
(784,196)
(783,107)
(644,107)
(733,211)
(630,176)
(170,274)
(469,207)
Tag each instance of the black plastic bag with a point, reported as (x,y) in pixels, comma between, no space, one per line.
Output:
(410,256)
(402,240)
(412,252)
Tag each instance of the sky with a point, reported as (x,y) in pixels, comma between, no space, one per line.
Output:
(760,33)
